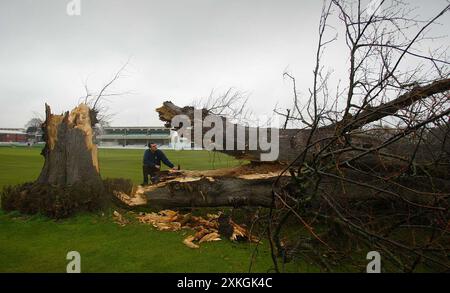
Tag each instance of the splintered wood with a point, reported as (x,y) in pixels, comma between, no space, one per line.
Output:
(78,118)
(246,185)
(207,230)
(119,219)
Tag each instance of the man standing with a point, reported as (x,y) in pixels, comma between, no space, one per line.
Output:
(152,163)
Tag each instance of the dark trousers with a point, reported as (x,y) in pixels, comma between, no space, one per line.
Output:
(152,171)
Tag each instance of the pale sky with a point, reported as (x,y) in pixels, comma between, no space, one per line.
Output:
(180,50)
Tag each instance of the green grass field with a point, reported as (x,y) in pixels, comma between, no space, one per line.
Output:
(20,164)
(38,244)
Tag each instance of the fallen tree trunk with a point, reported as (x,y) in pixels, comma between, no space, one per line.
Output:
(240,187)
(251,185)
(293,141)
(235,187)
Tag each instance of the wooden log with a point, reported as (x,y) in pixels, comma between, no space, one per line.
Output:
(241,186)
(252,186)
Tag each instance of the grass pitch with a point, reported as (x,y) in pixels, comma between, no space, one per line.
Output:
(38,244)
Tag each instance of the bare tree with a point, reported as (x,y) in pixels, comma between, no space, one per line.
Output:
(231,104)
(382,186)
(97,100)
(33,124)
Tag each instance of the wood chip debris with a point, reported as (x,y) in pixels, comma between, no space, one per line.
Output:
(119,219)
(207,230)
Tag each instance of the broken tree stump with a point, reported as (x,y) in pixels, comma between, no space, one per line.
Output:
(70,179)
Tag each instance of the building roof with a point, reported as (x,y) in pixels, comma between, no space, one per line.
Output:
(133,136)
(10,131)
(135,127)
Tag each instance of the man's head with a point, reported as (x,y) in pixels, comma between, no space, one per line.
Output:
(152,146)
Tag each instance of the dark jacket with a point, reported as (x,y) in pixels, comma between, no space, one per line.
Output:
(152,159)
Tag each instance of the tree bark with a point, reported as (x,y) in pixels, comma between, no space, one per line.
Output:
(248,185)
(70,154)
(251,185)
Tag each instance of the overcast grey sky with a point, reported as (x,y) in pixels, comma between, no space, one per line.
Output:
(180,50)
